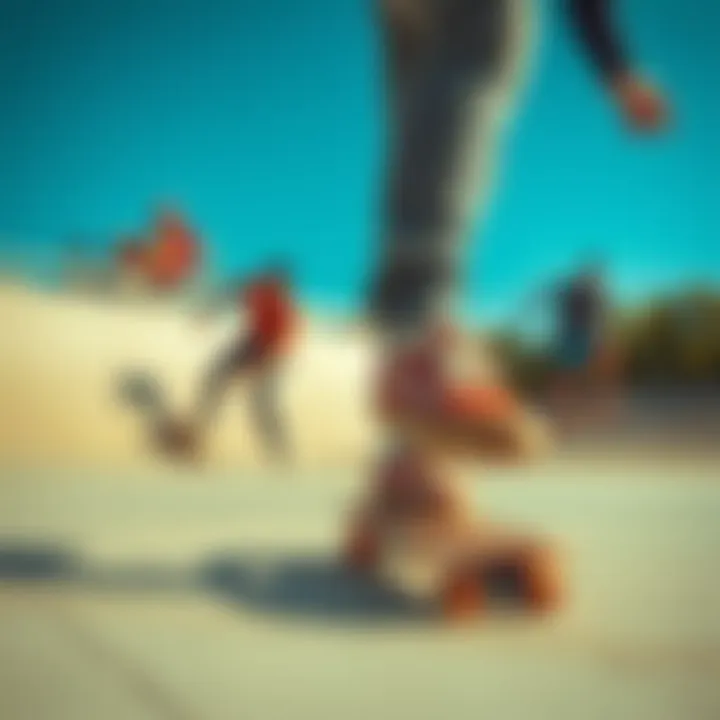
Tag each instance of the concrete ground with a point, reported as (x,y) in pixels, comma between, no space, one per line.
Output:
(193,597)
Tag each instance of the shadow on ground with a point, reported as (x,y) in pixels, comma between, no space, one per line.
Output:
(305,586)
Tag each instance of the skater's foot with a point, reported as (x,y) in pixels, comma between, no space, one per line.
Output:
(437,391)
(362,551)
(178,440)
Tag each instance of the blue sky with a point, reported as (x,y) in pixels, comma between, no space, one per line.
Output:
(262,119)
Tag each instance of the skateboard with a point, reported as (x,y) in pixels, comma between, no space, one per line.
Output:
(414,535)
(142,392)
(521,576)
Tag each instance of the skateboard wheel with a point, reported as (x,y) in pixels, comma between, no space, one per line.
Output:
(462,598)
(362,551)
(543,586)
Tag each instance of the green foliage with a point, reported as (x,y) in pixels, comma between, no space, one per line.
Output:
(673,340)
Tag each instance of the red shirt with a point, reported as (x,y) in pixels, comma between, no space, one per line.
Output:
(271,312)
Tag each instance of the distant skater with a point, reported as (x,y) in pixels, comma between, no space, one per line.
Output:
(167,260)
(258,355)
(586,367)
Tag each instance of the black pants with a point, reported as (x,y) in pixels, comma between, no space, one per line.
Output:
(248,357)
(451,65)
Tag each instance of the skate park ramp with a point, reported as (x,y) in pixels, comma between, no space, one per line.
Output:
(60,378)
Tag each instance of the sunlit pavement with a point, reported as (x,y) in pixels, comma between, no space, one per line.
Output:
(219,597)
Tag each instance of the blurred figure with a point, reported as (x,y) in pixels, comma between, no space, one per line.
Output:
(452,67)
(586,375)
(165,261)
(258,353)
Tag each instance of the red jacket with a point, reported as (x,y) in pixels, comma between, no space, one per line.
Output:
(271,313)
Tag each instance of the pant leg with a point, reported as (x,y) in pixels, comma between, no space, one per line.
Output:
(266,412)
(408,29)
(449,75)
(238,358)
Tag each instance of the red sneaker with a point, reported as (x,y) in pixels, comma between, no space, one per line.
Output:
(439,393)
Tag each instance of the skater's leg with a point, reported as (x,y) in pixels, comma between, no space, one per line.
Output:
(613,373)
(408,30)
(221,374)
(267,414)
(581,388)
(451,63)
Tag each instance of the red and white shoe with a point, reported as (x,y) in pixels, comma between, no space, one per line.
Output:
(439,391)
(411,523)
